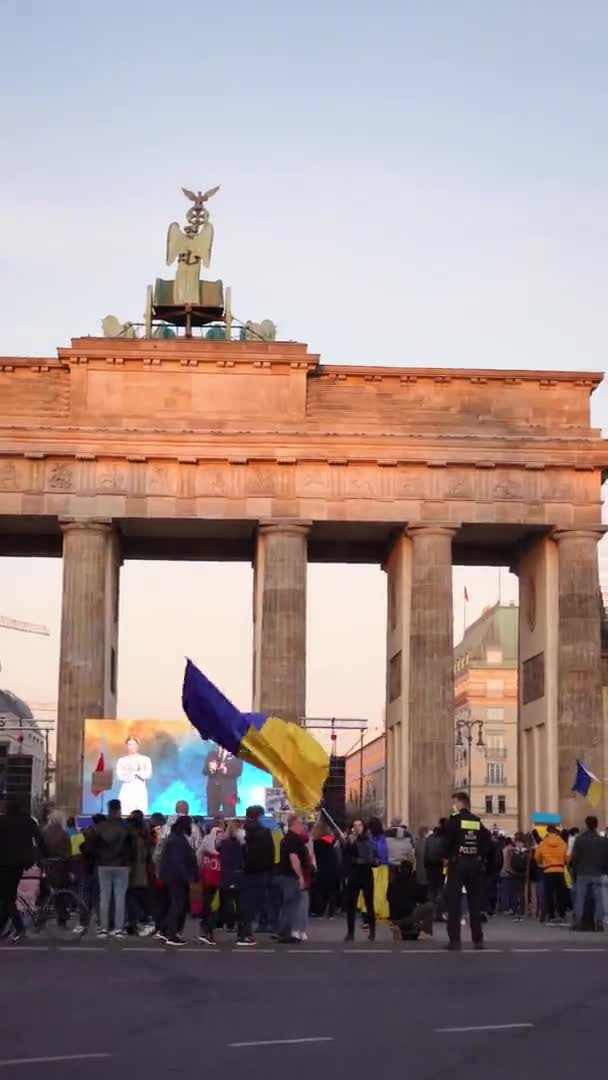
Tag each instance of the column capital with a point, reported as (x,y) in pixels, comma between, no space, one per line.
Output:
(416,531)
(96,525)
(592,533)
(284,528)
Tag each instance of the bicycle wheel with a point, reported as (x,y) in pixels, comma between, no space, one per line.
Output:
(64,916)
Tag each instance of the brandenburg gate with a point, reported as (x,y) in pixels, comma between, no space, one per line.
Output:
(186,447)
(190,448)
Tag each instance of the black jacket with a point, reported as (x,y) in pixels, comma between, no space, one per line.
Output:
(589,855)
(231,862)
(223,781)
(112,842)
(327,859)
(21,841)
(359,856)
(258,856)
(466,837)
(403,893)
(178,863)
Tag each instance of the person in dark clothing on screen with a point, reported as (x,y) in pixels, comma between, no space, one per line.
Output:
(467,847)
(21,845)
(222,770)
(178,870)
(359,860)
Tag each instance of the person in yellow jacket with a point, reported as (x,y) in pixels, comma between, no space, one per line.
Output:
(552,856)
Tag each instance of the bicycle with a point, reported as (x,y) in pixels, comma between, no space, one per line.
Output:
(55,911)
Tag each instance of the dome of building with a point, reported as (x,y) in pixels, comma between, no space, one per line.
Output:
(10,703)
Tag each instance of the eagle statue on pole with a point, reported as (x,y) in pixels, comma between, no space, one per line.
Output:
(191,246)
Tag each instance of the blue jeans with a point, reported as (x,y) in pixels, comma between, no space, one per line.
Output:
(290,909)
(112,880)
(583,882)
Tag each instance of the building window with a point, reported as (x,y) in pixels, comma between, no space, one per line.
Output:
(494,741)
(495,714)
(494,656)
(489,804)
(502,804)
(495,687)
(496,774)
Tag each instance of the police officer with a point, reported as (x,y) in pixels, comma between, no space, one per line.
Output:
(467,846)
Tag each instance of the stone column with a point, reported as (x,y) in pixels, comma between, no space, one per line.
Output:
(579,712)
(398,568)
(279,620)
(88,657)
(431,679)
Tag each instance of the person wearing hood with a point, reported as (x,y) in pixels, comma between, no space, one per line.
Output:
(551,854)
(399,847)
(178,870)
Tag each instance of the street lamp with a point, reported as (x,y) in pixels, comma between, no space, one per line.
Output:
(466,723)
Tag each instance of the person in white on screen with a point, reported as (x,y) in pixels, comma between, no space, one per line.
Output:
(133,770)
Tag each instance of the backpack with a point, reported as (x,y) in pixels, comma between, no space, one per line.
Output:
(434,849)
(519,862)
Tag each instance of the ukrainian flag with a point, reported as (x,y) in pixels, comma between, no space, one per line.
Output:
(287,751)
(586,784)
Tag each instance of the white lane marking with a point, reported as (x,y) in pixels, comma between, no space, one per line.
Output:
(80,948)
(473,951)
(283,1042)
(25,948)
(423,952)
(588,949)
(254,951)
(309,952)
(481,1027)
(144,949)
(50,1060)
(367,952)
(530,950)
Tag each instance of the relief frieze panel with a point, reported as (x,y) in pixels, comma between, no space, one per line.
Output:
(9,479)
(60,476)
(435,489)
(162,479)
(112,477)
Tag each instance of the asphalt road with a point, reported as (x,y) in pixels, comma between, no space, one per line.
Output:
(156,1013)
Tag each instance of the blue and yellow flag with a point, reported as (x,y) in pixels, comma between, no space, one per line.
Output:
(288,752)
(586,784)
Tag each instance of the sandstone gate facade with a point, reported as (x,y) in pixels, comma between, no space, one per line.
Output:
(199,449)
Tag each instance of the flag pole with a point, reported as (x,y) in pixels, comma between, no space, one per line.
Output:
(332,822)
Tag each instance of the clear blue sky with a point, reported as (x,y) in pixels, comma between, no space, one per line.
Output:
(448,161)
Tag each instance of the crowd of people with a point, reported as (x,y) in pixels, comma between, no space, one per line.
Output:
(146,876)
